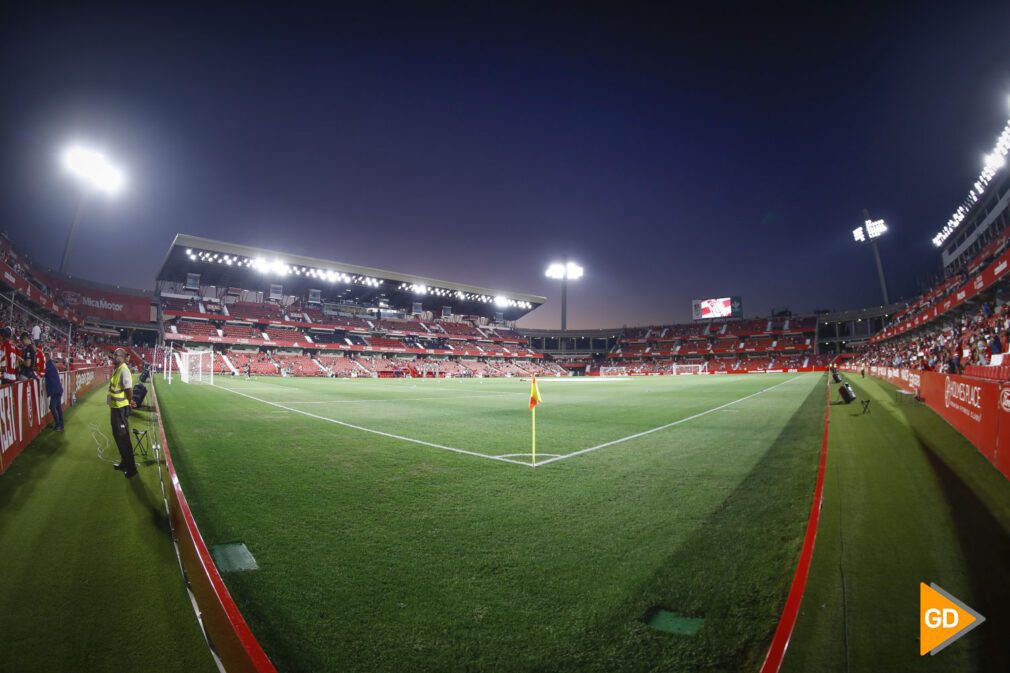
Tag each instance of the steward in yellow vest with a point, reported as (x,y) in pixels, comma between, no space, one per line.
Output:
(120,400)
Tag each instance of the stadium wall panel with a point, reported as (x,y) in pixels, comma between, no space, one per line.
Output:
(977,408)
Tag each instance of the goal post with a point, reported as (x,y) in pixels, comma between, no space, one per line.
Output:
(196,366)
(613,371)
(689,369)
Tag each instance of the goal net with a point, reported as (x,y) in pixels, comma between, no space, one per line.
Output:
(613,371)
(195,366)
(689,369)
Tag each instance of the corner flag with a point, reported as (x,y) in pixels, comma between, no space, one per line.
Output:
(534,394)
(534,401)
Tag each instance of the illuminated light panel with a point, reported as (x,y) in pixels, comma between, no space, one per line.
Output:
(991,164)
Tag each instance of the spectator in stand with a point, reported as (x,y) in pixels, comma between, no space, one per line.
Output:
(27,370)
(54,390)
(12,360)
(36,333)
(40,362)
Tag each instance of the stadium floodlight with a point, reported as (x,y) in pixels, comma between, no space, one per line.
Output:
(96,174)
(870,231)
(93,169)
(992,163)
(875,228)
(564,271)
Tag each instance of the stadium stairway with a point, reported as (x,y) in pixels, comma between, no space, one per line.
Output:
(228,364)
(90,576)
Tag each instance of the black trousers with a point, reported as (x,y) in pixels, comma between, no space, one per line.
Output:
(121,433)
(56,408)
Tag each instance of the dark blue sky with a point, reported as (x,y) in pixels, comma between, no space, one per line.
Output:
(675,154)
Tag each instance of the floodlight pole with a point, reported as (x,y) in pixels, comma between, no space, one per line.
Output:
(73,230)
(564,304)
(564,301)
(876,256)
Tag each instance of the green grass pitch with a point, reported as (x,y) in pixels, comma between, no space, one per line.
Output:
(390,535)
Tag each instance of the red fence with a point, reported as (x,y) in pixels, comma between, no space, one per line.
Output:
(24,410)
(978,409)
(226,629)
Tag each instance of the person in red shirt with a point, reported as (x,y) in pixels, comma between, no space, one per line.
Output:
(40,362)
(11,356)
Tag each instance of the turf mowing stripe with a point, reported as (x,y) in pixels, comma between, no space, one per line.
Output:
(378,432)
(784,630)
(661,427)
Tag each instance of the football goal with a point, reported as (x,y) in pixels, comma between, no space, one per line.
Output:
(195,366)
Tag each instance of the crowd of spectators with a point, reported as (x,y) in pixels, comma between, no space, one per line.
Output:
(972,339)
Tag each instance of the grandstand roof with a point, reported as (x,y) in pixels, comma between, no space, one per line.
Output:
(233,265)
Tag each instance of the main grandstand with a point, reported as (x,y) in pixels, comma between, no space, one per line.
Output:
(282,313)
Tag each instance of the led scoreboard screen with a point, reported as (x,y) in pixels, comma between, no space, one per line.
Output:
(723,307)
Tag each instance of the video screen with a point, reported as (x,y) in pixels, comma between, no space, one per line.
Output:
(710,309)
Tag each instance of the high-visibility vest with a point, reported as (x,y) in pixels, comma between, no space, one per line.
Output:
(117,394)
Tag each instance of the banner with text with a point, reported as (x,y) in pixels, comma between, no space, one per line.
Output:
(977,408)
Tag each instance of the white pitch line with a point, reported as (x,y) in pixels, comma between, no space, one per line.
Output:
(510,455)
(407,399)
(377,432)
(661,427)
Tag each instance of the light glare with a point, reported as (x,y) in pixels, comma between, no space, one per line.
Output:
(571,271)
(94,169)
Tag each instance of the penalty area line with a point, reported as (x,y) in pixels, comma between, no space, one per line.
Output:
(662,427)
(377,432)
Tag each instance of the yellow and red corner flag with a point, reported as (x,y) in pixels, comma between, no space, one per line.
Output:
(534,401)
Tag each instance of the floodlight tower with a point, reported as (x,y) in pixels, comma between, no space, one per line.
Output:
(564,271)
(870,231)
(95,173)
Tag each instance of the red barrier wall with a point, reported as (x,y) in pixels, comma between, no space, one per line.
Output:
(977,408)
(24,410)
(791,610)
(224,625)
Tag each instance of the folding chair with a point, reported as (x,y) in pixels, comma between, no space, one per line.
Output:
(141,442)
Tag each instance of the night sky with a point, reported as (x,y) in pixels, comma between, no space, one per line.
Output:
(674,155)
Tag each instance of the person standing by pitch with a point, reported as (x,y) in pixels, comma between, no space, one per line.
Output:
(120,399)
(54,389)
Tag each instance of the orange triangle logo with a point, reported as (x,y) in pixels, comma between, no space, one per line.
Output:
(942,619)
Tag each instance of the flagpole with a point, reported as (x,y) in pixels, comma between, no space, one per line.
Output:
(534,436)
